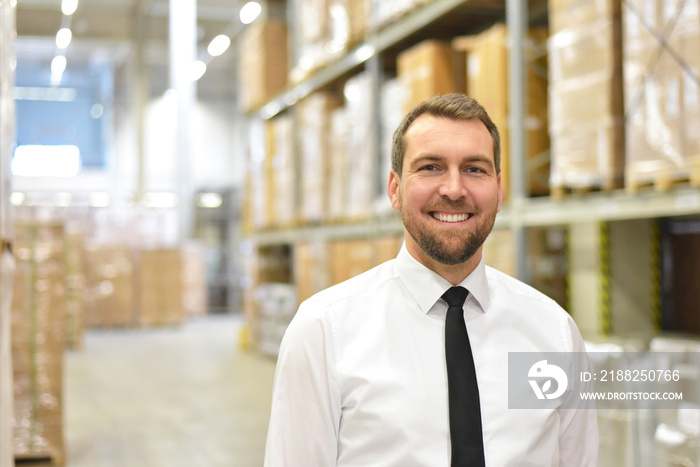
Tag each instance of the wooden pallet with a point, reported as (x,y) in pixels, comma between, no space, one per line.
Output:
(661,181)
(559,192)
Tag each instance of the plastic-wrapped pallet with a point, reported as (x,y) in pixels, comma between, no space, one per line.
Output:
(278,304)
(339,165)
(625,432)
(677,434)
(662,91)
(586,97)
(38,340)
(393,95)
(109,279)
(359,96)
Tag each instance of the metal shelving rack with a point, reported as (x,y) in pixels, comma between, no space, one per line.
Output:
(521,211)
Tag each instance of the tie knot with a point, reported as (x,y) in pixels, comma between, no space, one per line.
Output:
(455,296)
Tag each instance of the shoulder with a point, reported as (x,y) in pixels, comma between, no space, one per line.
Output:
(368,282)
(502,283)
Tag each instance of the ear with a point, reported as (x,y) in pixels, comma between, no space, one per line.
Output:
(392,190)
(500,193)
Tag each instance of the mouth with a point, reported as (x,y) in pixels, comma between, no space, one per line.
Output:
(451,218)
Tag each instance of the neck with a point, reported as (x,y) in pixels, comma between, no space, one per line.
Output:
(453,273)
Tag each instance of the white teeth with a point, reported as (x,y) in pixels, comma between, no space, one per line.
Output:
(450,217)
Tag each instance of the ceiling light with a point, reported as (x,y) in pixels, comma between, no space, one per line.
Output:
(159,200)
(198,69)
(218,45)
(17,198)
(46,161)
(63,38)
(250,12)
(99,199)
(58,64)
(68,7)
(210,200)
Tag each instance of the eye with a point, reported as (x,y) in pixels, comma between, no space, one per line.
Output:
(475,170)
(429,167)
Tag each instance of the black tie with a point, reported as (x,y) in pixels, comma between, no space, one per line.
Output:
(463,392)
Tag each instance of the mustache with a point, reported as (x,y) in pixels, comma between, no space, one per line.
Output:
(449,205)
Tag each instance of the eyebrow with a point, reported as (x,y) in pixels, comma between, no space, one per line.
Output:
(434,158)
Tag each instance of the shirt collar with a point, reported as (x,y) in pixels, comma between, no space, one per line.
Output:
(427,286)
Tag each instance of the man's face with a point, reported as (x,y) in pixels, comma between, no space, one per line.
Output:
(449,192)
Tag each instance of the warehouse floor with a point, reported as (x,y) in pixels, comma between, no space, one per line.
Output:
(186,396)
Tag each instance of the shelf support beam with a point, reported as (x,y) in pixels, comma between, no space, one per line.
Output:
(516,20)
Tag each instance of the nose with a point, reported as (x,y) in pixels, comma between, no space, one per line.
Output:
(452,185)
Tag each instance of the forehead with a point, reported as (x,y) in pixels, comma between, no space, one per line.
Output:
(430,133)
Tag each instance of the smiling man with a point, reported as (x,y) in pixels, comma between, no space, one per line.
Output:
(406,365)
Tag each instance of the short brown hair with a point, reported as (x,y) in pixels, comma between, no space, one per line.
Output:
(454,106)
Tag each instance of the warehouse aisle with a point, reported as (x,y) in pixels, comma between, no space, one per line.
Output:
(179,397)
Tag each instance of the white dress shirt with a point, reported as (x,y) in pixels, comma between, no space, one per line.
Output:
(361,377)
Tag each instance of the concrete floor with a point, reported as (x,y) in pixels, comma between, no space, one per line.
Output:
(173,397)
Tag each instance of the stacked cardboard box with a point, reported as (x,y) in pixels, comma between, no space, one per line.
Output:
(339,165)
(393,95)
(280,189)
(109,279)
(662,89)
(488,82)
(194,279)
(311,268)
(352,257)
(256,211)
(263,63)
(326,29)
(314,116)
(38,340)
(262,265)
(429,68)
(387,11)
(159,287)
(75,289)
(586,96)
(359,96)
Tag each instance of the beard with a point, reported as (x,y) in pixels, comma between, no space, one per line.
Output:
(450,248)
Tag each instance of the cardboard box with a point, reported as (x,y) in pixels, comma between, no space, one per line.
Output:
(359,95)
(430,68)
(350,258)
(280,163)
(38,340)
(339,165)
(311,268)
(662,103)
(314,116)
(263,63)
(75,289)
(160,287)
(586,96)
(488,74)
(386,248)
(194,279)
(109,273)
